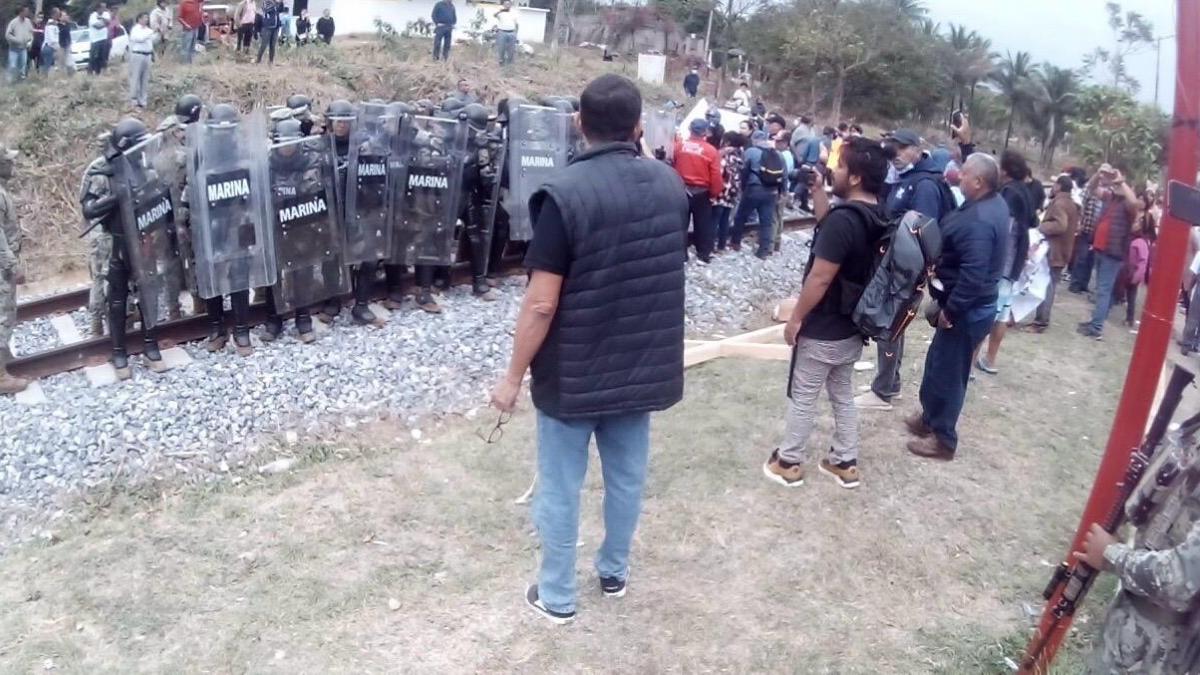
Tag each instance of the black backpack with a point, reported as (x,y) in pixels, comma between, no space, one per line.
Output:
(904,260)
(772,169)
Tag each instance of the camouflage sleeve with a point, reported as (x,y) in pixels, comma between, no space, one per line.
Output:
(9,227)
(8,257)
(1170,577)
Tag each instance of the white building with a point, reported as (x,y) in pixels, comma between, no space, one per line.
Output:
(358,16)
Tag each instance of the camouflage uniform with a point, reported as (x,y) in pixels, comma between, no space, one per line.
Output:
(100,245)
(10,249)
(1153,625)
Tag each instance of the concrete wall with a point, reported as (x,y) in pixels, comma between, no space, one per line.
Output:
(358,16)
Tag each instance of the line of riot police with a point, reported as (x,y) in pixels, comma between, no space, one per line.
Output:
(303,211)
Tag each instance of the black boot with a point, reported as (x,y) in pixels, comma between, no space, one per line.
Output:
(394,276)
(152,357)
(217,338)
(241,340)
(330,310)
(483,290)
(120,363)
(272,329)
(304,326)
(363,315)
(426,302)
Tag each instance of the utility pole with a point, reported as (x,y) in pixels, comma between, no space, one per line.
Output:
(708,33)
(1157,58)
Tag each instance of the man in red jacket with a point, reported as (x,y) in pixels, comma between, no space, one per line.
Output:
(699,165)
(189,23)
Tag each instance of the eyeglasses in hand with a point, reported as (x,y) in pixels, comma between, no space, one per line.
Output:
(495,433)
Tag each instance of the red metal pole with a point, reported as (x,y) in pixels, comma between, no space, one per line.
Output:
(1154,335)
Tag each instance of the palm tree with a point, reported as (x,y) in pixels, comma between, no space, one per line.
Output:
(1013,81)
(913,10)
(1056,93)
(968,62)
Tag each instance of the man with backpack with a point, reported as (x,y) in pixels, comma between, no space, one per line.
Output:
(974,240)
(763,178)
(921,187)
(825,339)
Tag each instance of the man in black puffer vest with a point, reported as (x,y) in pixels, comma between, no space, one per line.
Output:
(602,328)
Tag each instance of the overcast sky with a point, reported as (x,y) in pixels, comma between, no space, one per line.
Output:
(1062,31)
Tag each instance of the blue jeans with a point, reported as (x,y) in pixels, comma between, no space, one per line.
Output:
(187,46)
(1081,267)
(506,42)
(441,42)
(18,62)
(624,444)
(762,201)
(1107,269)
(947,371)
(46,64)
(722,215)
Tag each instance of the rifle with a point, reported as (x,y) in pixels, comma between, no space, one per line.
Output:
(1074,579)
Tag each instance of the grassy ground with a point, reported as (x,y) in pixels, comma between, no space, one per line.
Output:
(380,553)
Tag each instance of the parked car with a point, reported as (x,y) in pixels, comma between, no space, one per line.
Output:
(81,46)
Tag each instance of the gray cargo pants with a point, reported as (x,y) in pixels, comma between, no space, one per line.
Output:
(817,364)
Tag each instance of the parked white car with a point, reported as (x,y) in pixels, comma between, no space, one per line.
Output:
(81,47)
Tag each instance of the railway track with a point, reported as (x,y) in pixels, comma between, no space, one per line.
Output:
(95,351)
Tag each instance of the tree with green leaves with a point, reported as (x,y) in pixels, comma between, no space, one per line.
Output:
(968,61)
(1131,31)
(1112,127)
(1013,79)
(1054,101)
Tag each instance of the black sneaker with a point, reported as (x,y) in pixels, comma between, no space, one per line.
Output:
(612,587)
(558,618)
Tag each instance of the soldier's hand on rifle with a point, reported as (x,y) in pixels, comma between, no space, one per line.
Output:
(1094,544)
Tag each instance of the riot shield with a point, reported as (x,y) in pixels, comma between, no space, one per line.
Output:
(659,133)
(537,139)
(368,206)
(432,152)
(231,233)
(148,216)
(308,238)
(490,173)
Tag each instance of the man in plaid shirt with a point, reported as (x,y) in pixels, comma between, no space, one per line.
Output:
(1082,260)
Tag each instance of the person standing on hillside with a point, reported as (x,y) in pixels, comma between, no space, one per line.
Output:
(271,23)
(921,186)
(98,22)
(10,273)
(699,165)
(245,14)
(325,27)
(601,327)
(160,23)
(1059,225)
(34,62)
(506,39)
(50,42)
(141,55)
(64,58)
(972,262)
(191,19)
(691,83)
(444,20)
(824,338)
(19,36)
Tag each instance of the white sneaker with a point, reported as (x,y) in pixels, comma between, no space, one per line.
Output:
(871,401)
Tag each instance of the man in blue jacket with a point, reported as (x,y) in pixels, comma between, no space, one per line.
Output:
(444,19)
(921,187)
(974,239)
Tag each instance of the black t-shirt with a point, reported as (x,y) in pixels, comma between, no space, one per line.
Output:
(843,237)
(549,250)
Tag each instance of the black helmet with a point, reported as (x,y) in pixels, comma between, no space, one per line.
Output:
(128,133)
(222,115)
(560,104)
(288,130)
(507,106)
(477,115)
(299,102)
(399,108)
(187,108)
(713,113)
(424,106)
(452,105)
(340,108)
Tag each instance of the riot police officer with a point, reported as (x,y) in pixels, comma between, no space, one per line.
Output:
(301,107)
(481,192)
(100,204)
(188,109)
(396,266)
(341,117)
(222,123)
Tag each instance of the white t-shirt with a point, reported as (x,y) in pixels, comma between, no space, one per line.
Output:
(98,34)
(506,20)
(141,39)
